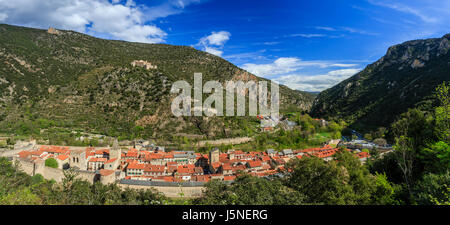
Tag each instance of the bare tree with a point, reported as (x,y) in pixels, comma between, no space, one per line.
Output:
(404,149)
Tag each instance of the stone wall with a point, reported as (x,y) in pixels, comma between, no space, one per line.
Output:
(226,141)
(172,192)
(89,176)
(26,166)
(51,173)
(108,179)
(33,168)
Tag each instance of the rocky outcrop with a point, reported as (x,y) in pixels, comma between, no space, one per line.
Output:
(406,76)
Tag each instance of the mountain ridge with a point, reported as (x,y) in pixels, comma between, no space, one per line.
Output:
(76,80)
(403,78)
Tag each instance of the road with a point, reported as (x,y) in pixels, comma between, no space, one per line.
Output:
(10,153)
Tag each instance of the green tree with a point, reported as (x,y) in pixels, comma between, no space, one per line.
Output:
(442,113)
(360,180)
(319,181)
(368,136)
(51,162)
(249,190)
(384,193)
(433,188)
(380,142)
(23,196)
(436,158)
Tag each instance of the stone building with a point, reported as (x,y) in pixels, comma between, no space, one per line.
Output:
(214,156)
(142,63)
(52,30)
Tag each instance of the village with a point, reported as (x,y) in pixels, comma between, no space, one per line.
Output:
(144,162)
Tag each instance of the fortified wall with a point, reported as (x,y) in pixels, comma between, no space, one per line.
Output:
(33,168)
(168,191)
(182,190)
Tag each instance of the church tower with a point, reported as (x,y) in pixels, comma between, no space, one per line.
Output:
(214,155)
(116,151)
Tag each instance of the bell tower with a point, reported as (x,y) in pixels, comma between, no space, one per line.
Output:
(214,155)
(116,151)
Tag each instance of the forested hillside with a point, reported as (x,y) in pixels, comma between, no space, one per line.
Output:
(68,79)
(404,78)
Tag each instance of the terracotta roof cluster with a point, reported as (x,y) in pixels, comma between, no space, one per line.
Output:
(362,155)
(253,164)
(136,166)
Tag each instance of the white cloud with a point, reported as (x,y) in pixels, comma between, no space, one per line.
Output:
(413,19)
(339,30)
(325,28)
(316,82)
(292,72)
(343,65)
(358,31)
(307,35)
(213,51)
(124,20)
(286,65)
(216,38)
(406,9)
(3,17)
(270,43)
(214,42)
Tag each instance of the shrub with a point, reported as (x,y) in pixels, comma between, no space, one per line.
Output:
(51,162)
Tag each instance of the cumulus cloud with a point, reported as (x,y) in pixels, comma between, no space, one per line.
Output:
(316,83)
(286,65)
(292,72)
(120,19)
(214,42)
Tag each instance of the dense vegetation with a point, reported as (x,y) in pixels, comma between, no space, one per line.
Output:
(404,78)
(417,172)
(87,84)
(311,181)
(74,81)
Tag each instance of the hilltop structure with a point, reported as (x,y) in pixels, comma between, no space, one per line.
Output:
(145,64)
(52,30)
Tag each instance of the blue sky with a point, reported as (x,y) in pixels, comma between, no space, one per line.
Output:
(307,45)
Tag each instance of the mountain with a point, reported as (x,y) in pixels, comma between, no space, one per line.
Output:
(67,79)
(404,78)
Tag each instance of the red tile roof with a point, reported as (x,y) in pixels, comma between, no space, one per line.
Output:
(133,154)
(105,172)
(168,179)
(102,152)
(98,160)
(62,157)
(154,168)
(226,178)
(226,166)
(135,165)
(363,155)
(24,154)
(215,165)
(202,178)
(253,164)
(111,160)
